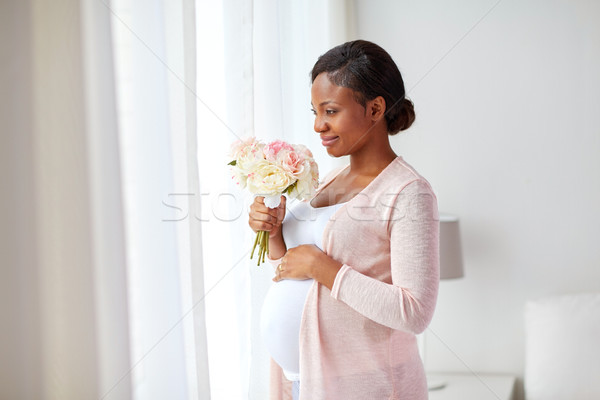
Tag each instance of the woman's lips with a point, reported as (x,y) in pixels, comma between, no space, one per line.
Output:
(329,140)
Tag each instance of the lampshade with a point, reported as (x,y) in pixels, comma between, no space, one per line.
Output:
(451,261)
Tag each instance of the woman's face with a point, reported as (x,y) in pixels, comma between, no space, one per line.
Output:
(341,121)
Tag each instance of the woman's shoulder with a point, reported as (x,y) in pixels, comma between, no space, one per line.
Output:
(400,176)
(411,192)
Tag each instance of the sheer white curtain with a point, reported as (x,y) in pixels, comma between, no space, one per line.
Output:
(253,79)
(155,64)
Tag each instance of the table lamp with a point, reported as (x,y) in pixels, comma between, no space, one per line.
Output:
(451,264)
(451,261)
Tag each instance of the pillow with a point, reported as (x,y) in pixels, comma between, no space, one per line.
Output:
(562,348)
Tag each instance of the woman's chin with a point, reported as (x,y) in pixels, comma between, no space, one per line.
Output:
(333,152)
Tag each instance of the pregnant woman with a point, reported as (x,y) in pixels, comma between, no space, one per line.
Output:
(357,266)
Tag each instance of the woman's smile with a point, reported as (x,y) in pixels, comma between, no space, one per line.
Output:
(328,140)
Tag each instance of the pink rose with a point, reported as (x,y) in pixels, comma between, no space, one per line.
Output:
(291,161)
(272,149)
(299,148)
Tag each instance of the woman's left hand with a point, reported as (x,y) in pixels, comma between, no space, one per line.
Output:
(300,262)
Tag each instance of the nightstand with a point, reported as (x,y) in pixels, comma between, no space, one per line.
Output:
(471,387)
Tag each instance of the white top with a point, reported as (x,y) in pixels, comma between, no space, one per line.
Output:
(282,309)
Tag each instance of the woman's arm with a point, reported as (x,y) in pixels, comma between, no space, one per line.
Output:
(409,302)
(277,247)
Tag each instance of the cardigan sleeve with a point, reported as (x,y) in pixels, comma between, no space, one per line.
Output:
(409,301)
(274,262)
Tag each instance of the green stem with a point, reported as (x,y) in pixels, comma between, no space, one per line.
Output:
(262,248)
(262,241)
(255,243)
(259,248)
(267,240)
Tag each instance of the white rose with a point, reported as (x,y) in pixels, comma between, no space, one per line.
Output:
(249,157)
(239,176)
(268,179)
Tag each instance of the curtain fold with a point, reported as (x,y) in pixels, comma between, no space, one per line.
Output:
(224,107)
(106,208)
(70,312)
(194,301)
(81,257)
(155,44)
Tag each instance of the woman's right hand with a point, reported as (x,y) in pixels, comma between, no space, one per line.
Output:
(263,218)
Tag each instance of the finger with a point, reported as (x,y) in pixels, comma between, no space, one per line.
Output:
(263,217)
(279,214)
(259,207)
(261,226)
(283,203)
(274,213)
(260,220)
(281,206)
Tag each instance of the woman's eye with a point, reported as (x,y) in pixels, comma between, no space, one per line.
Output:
(328,112)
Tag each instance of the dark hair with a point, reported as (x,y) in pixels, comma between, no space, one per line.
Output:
(369,71)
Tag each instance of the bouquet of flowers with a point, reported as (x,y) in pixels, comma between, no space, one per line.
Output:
(271,170)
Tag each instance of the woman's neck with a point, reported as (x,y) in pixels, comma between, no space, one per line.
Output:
(372,160)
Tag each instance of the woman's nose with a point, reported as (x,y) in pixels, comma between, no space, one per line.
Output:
(320,125)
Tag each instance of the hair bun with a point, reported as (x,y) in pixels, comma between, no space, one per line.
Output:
(405,117)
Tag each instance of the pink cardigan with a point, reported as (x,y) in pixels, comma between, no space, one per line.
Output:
(357,341)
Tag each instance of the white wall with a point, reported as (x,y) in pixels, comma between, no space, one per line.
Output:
(508,133)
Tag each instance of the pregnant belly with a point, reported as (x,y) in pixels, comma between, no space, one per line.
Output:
(280,322)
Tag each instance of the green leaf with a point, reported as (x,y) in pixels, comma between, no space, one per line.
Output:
(233,163)
(289,189)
